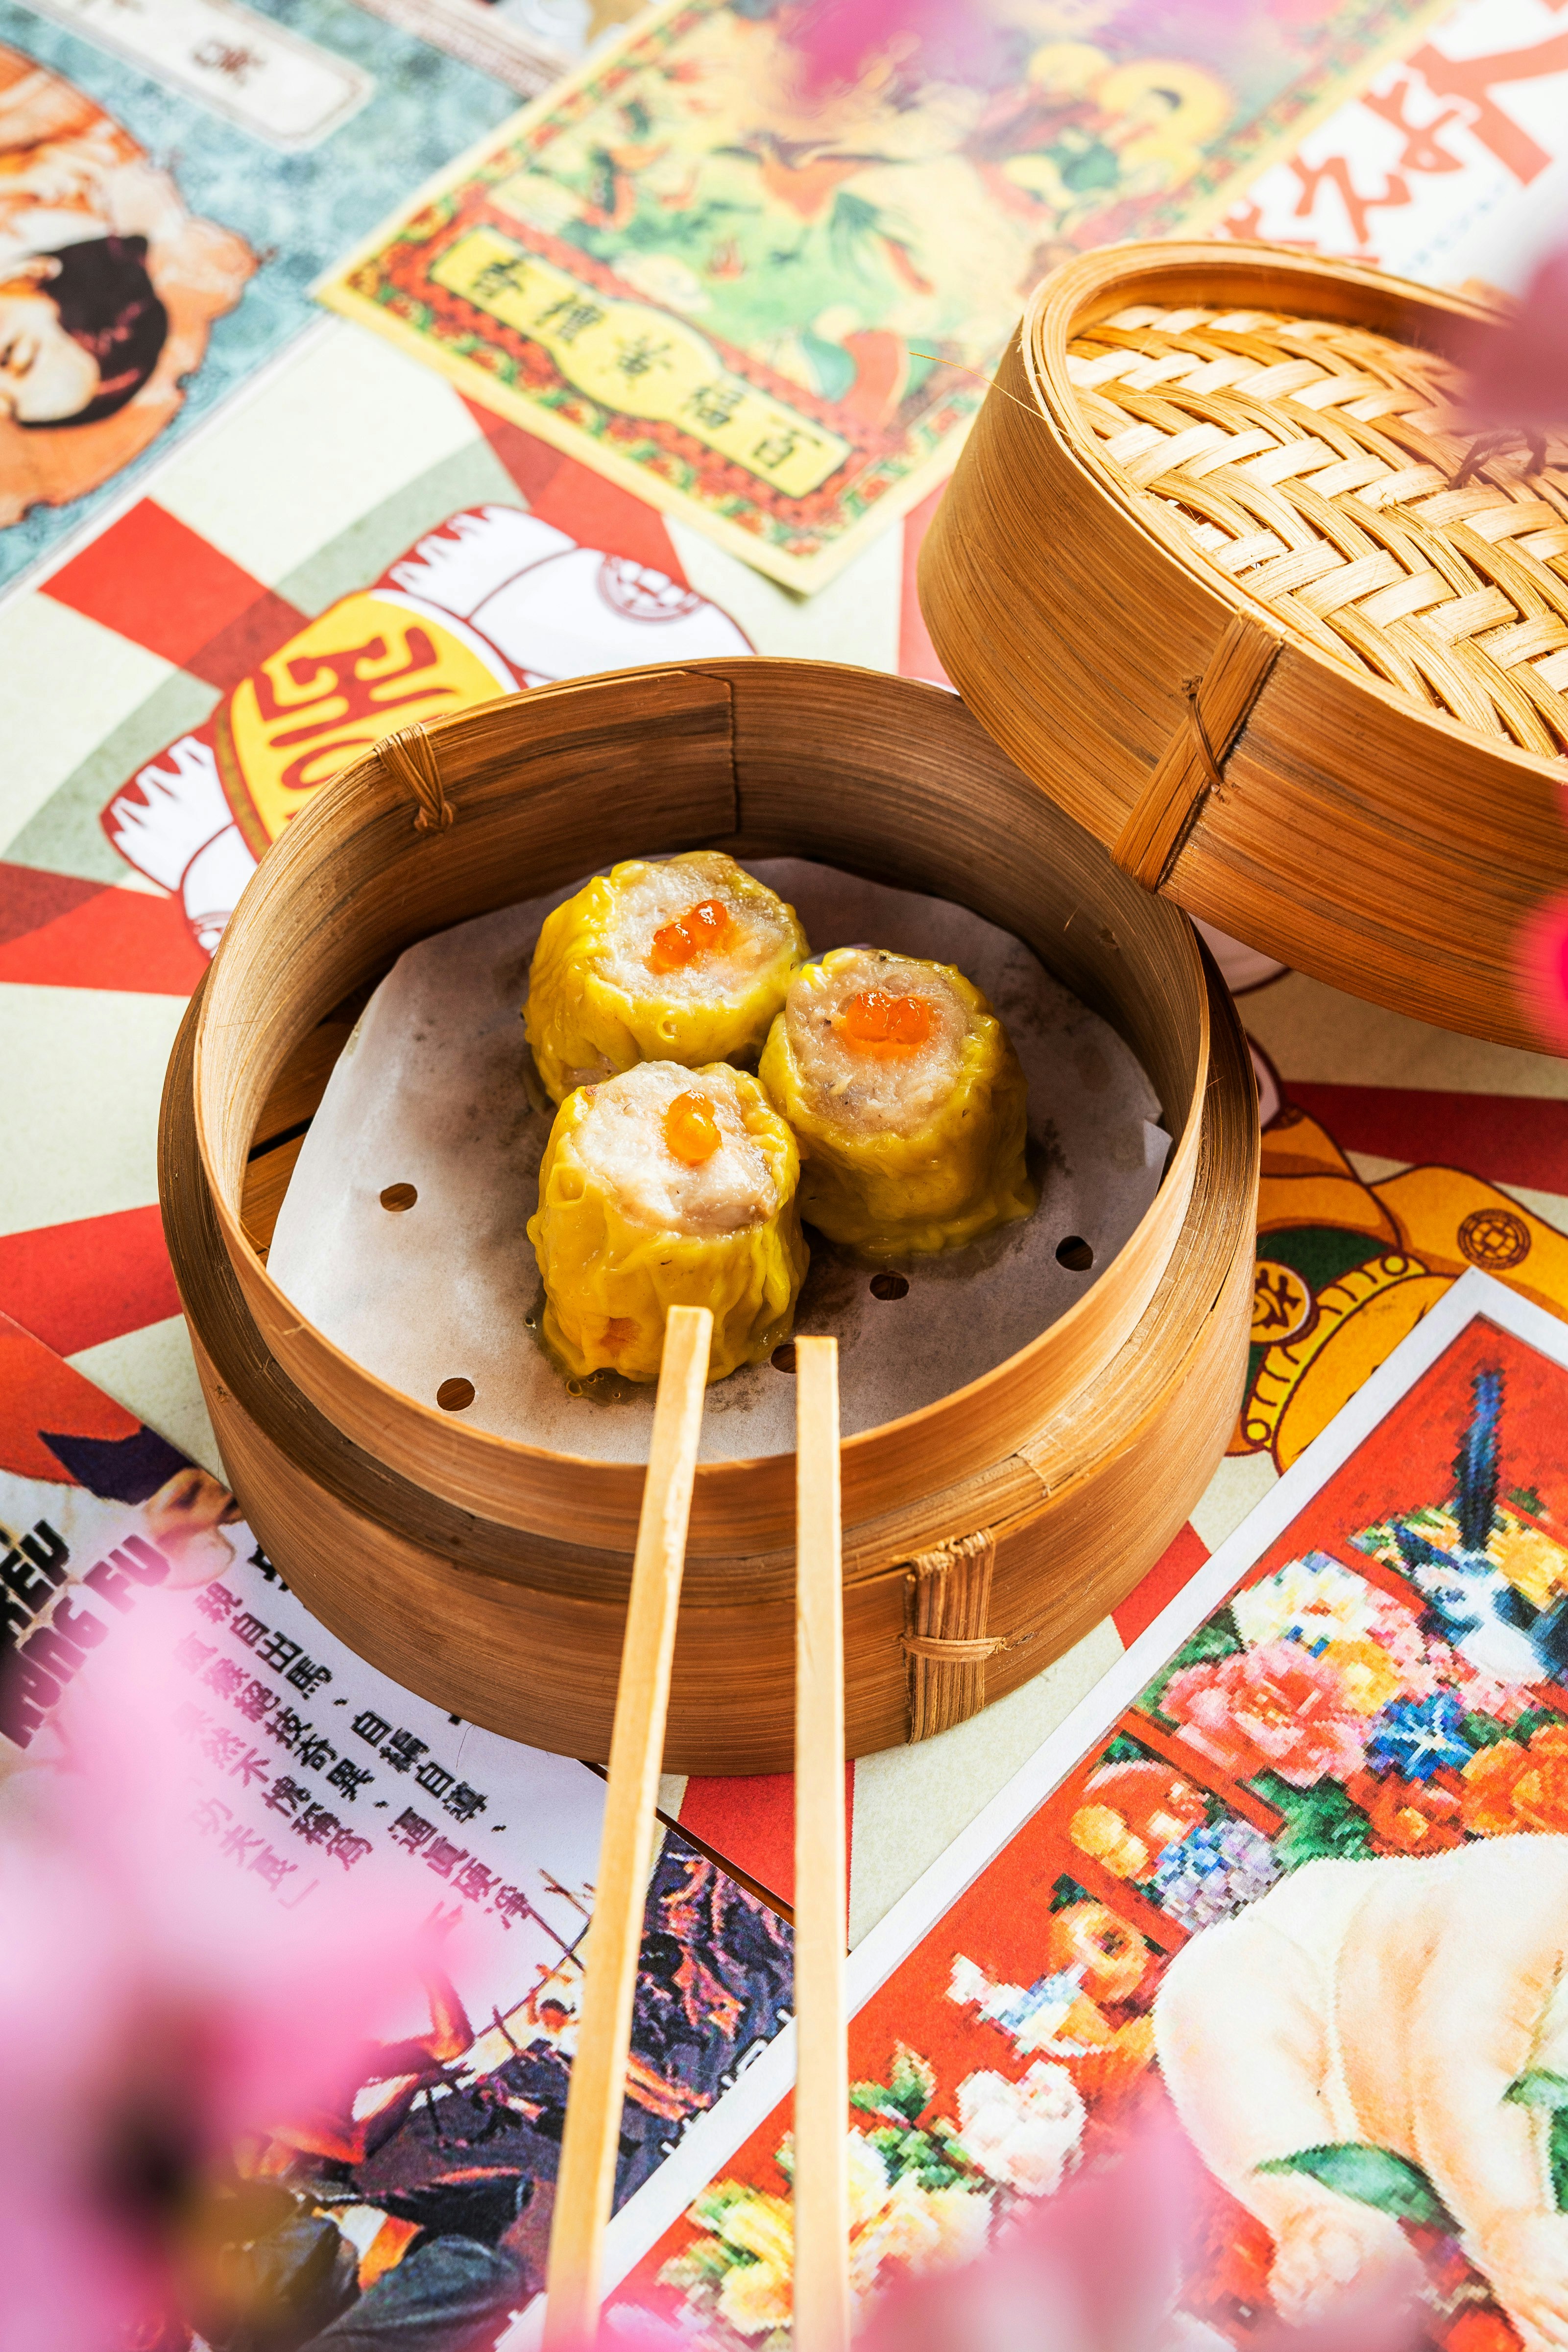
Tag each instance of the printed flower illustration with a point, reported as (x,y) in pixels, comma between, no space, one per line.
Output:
(1422,1661)
(1276,1705)
(754,2259)
(1132,1810)
(1426,1662)
(1509,1787)
(1530,1559)
(918,2229)
(1309,1600)
(1411,1816)
(1419,1737)
(1100,1832)
(1488,1693)
(1213,1871)
(1022,2135)
(869,2179)
(754,2296)
(917,2201)
(1367,1673)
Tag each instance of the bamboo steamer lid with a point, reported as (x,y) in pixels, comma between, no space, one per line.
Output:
(1259,640)
(983,1534)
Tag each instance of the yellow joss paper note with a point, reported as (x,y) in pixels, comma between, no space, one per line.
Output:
(769,307)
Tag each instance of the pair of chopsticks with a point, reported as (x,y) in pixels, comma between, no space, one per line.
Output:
(587,2176)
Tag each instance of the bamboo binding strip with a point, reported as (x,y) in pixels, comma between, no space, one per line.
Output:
(948,1643)
(1293,647)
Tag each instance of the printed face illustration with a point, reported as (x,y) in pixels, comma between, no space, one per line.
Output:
(185,1518)
(108,287)
(46,375)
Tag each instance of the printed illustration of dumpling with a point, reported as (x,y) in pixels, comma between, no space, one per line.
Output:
(671,960)
(907,1102)
(666,1187)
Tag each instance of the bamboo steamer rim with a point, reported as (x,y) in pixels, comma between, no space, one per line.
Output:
(240,1375)
(1081,293)
(505,1479)
(1290,796)
(522,1638)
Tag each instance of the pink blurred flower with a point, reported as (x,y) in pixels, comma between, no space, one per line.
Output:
(1121,2259)
(152,2013)
(1519,369)
(1275,1704)
(837,39)
(842,42)
(1099,2267)
(1540,973)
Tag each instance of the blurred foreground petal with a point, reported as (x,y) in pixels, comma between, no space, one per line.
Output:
(152,2013)
(1519,369)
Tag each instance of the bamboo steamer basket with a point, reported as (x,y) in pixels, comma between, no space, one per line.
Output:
(984,1534)
(1261,645)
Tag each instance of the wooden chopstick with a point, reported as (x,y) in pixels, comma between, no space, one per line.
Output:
(586,2180)
(821,2321)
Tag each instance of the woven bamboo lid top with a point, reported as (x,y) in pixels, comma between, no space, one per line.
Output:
(1312,464)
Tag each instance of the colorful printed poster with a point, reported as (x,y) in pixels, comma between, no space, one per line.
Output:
(764,307)
(1348,1267)
(174,175)
(1449,165)
(304,1763)
(491,600)
(1277,1883)
(1384,1140)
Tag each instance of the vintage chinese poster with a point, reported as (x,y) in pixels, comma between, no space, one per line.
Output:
(1289,1882)
(138,789)
(763,305)
(305,1769)
(173,173)
(1447,166)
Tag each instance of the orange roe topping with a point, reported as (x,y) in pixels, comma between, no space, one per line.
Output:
(691,1131)
(708,926)
(875,1023)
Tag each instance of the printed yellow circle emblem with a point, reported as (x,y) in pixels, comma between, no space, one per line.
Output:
(1302,1382)
(1281,1302)
(1494,1239)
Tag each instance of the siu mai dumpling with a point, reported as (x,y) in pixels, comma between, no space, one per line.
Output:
(907,1101)
(670,960)
(666,1187)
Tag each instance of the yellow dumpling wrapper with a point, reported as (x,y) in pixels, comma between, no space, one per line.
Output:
(901,1154)
(597,1003)
(624,1231)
